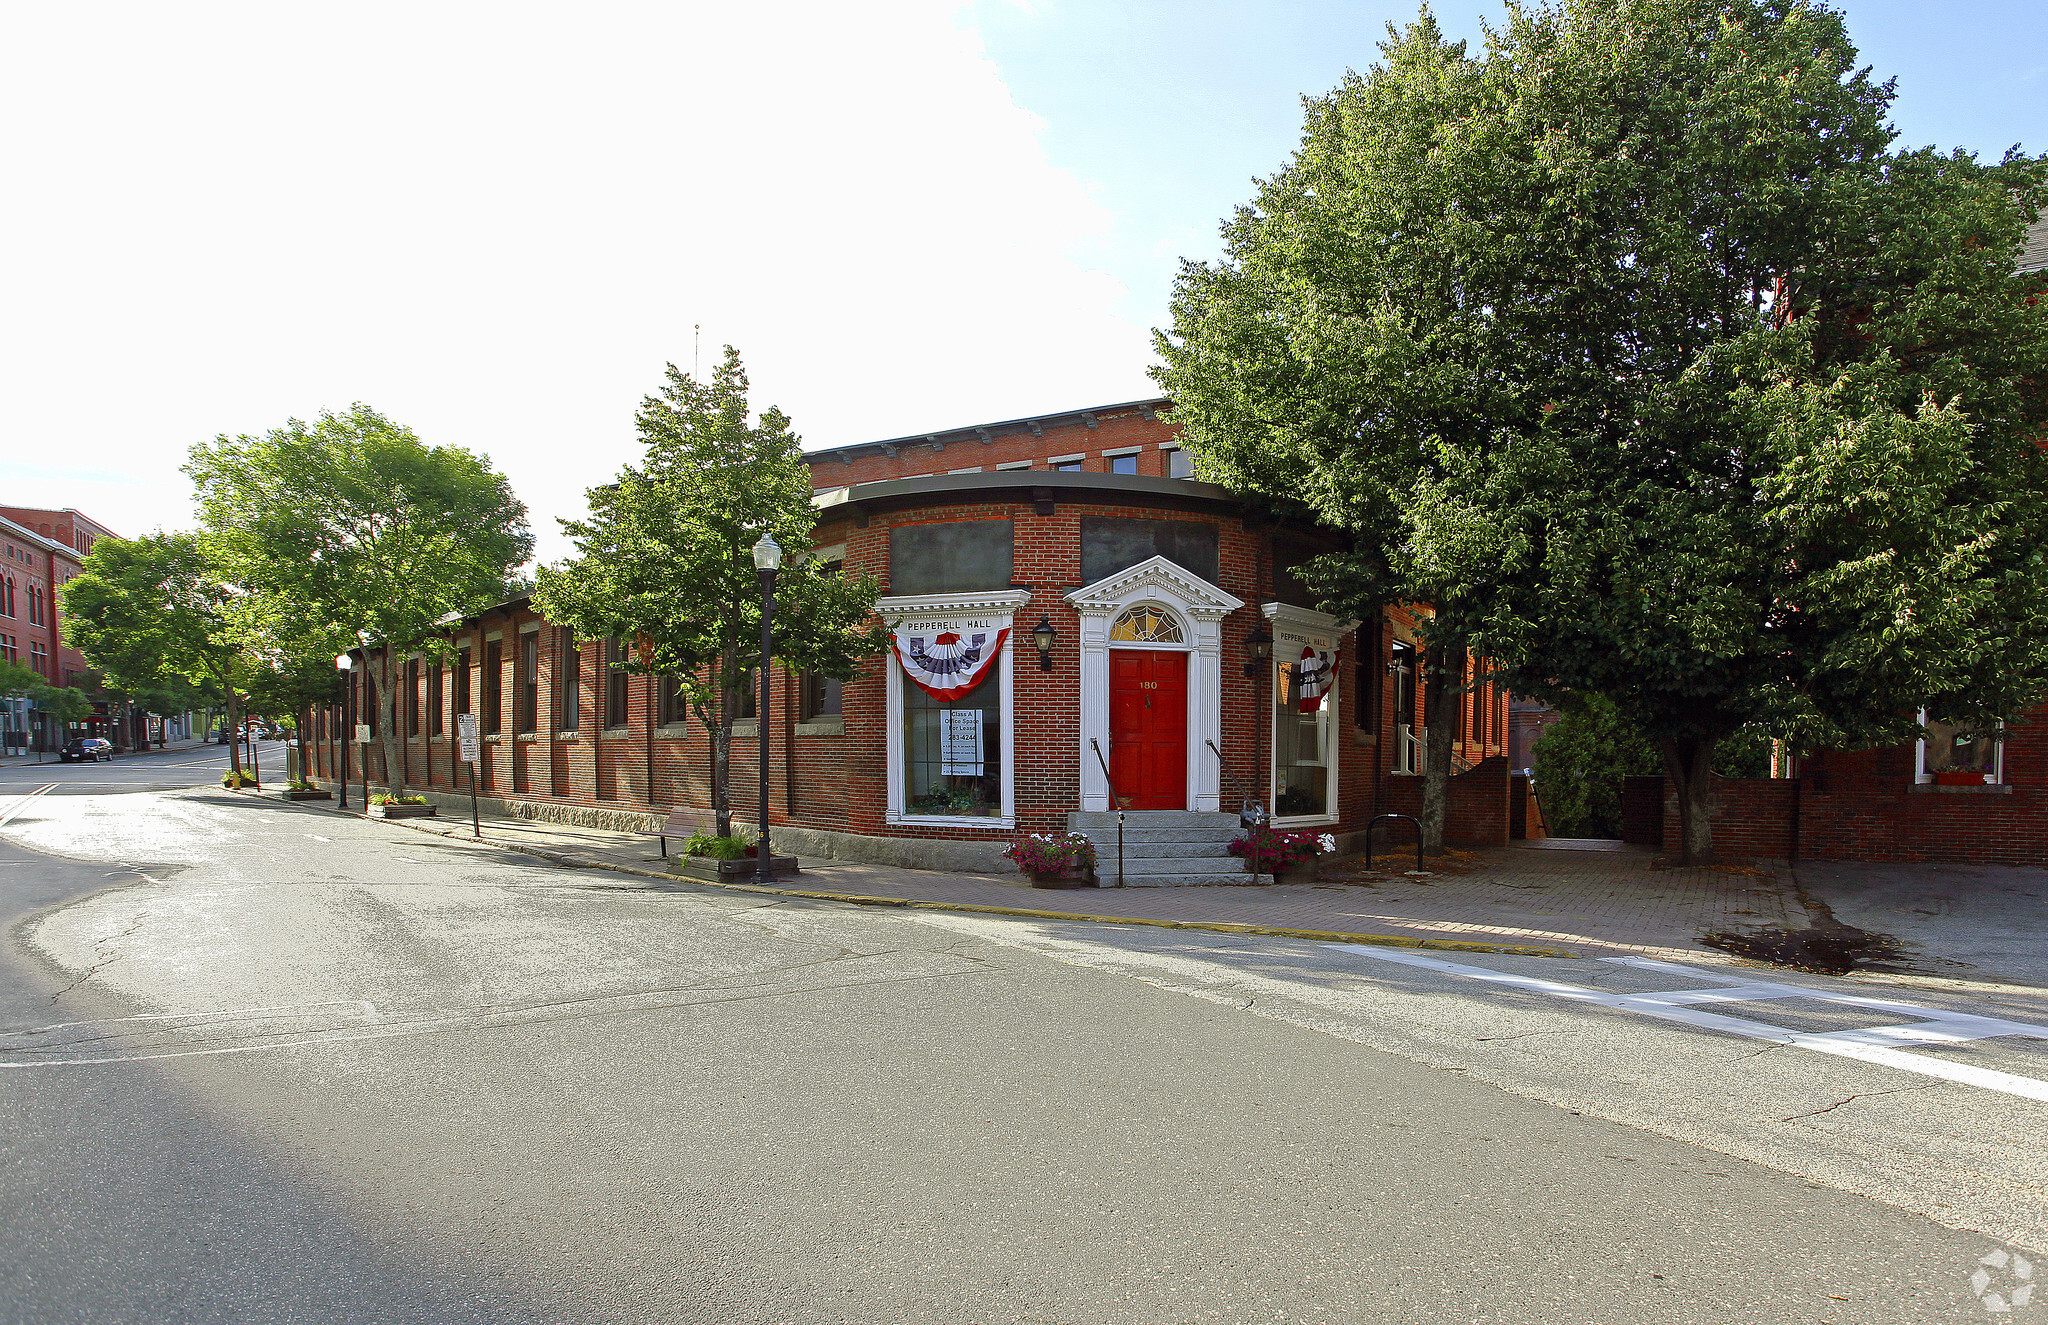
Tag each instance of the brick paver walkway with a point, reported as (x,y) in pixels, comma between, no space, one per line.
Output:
(1599,899)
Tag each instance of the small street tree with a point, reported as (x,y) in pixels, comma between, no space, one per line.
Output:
(354,528)
(1632,348)
(150,613)
(664,561)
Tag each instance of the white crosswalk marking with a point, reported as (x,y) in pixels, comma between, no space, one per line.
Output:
(1875,1044)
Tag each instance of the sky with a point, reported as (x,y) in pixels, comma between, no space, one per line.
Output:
(497,223)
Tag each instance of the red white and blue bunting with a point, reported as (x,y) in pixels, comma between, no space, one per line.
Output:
(1314,675)
(945,663)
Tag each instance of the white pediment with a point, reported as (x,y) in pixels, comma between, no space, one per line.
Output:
(1158,579)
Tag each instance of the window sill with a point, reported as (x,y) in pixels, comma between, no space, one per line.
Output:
(1005,824)
(675,731)
(750,728)
(492,738)
(822,727)
(1303,821)
(1936,789)
(568,736)
(437,740)
(527,736)
(615,733)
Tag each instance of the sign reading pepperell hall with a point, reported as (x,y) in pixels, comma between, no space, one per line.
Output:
(948,656)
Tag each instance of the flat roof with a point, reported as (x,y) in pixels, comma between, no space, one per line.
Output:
(1021,485)
(1035,424)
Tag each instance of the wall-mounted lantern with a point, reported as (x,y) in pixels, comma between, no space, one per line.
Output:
(1043,635)
(1260,645)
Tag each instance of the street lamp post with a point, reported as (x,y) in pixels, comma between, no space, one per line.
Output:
(1259,645)
(345,664)
(767,560)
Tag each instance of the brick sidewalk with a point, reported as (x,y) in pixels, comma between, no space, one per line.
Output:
(1600,901)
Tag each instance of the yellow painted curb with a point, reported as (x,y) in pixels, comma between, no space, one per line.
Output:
(977,908)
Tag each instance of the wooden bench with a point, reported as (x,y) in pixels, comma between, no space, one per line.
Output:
(682,822)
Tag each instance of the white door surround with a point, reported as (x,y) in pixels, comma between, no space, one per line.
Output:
(1200,606)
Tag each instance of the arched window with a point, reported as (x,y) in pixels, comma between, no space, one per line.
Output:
(1145,625)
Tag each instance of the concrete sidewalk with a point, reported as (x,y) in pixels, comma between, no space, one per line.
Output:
(1598,900)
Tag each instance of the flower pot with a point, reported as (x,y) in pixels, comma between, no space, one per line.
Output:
(402,811)
(1959,777)
(312,795)
(1063,879)
(735,871)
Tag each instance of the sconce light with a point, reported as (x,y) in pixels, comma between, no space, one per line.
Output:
(1261,646)
(1043,636)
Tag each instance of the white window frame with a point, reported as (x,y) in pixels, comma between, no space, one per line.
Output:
(1002,605)
(1923,778)
(1286,619)
(1014,464)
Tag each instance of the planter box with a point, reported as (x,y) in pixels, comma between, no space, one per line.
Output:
(402,811)
(1065,879)
(1306,871)
(735,871)
(1959,777)
(309,796)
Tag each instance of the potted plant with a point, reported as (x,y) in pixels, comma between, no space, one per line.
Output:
(1269,850)
(401,807)
(302,790)
(1064,861)
(708,856)
(237,781)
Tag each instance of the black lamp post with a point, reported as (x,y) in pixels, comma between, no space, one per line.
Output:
(345,665)
(1043,635)
(767,560)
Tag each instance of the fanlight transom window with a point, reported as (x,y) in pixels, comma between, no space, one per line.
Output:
(1145,625)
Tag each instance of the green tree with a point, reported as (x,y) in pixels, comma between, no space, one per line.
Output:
(149,613)
(665,558)
(356,530)
(1631,347)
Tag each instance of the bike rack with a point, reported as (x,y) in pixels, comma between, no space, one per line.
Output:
(1374,825)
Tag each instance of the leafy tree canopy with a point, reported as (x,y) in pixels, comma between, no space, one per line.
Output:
(1631,346)
(664,560)
(352,528)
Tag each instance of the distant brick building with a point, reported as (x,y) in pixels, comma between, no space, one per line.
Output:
(1155,589)
(39,553)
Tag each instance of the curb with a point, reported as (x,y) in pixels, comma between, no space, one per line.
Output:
(971,908)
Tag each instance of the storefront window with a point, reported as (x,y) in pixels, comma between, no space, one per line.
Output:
(1301,743)
(953,751)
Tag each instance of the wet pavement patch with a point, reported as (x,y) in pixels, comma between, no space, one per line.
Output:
(1834,950)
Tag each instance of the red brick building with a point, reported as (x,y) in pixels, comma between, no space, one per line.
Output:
(1156,590)
(39,552)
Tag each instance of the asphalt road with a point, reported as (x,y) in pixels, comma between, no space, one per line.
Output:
(156,770)
(270,1064)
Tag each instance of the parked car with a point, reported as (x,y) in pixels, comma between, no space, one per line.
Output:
(84,748)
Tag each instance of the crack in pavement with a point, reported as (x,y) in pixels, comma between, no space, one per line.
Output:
(1859,1095)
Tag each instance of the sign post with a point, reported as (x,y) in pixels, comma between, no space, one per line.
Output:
(363,739)
(465,734)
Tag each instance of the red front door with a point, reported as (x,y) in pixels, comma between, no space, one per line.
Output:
(1148,728)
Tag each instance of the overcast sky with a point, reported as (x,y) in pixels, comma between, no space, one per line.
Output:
(497,222)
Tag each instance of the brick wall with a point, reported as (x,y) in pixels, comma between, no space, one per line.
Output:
(1033,441)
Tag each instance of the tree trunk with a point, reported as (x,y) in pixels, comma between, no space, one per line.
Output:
(718,721)
(228,726)
(387,725)
(1439,734)
(1689,763)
